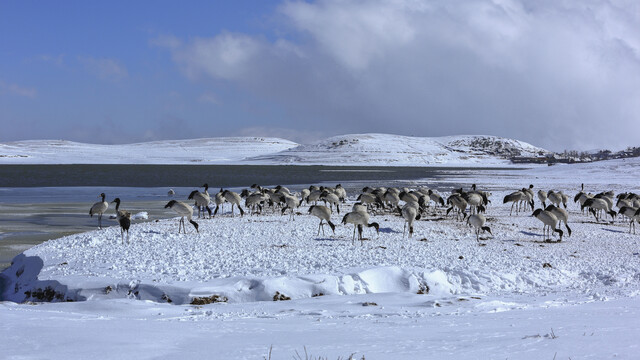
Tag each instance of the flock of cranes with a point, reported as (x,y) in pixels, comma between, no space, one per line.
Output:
(411,205)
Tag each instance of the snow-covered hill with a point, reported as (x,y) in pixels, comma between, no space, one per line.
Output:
(384,149)
(357,149)
(206,151)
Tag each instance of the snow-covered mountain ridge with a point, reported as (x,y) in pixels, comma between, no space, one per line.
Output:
(384,149)
(353,149)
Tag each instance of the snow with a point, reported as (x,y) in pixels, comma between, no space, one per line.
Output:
(354,149)
(498,300)
(396,150)
(197,151)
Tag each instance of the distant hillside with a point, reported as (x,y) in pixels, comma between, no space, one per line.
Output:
(222,150)
(383,149)
(355,149)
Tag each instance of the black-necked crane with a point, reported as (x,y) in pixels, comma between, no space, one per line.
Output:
(391,198)
(478,222)
(257,187)
(283,190)
(529,192)
(556,198)
(458,203)
(331,198)
(124,219)
(408,197)
(292,203)
(202,199)
(234,199)
(435,197)
(410,212)
(255,202)
(314,195)
(324,214)
(475,201)
(304,195)
(581,197)
(183,210)
(633,214)
(359,219)
(99,208)
(341,192)
(219,200)
(359,207)
(369,200)
(549,220)
(561,214)
(596,205)
(518,198)
(623,202)
(607,197)
(542,196)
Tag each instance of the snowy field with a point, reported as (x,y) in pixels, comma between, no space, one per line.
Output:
(438,295)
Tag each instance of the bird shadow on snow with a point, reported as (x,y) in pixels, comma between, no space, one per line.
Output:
(389,231)
(325,239)
(530,233)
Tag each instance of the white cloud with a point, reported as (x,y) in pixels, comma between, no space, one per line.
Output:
(105,68)
(226,56)
(15,89)
(560,74)
(55,59)
(210,98)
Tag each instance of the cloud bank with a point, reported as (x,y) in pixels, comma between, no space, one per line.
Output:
(559,74)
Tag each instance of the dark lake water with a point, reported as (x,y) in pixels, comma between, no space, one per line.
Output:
(43,202)
(215,175)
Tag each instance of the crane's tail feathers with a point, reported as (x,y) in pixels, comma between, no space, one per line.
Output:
(195,225)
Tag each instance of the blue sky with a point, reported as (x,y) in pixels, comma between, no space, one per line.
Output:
(558,74)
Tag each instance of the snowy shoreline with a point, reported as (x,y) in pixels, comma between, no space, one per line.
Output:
(251,258)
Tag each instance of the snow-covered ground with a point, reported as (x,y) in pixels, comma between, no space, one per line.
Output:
(512,296)
(357,149)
